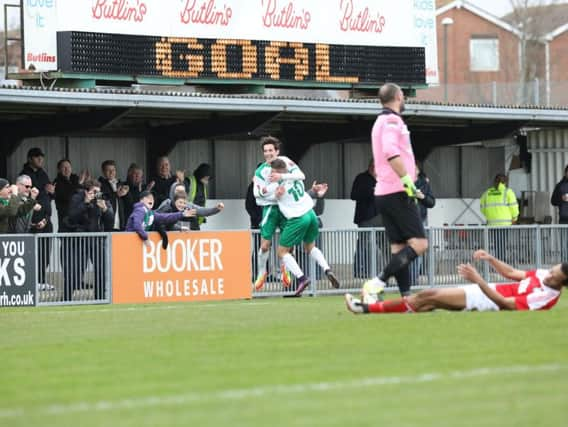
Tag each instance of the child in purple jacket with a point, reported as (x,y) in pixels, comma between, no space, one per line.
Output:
(144,219)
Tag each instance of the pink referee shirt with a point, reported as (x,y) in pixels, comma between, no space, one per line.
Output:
(390,138)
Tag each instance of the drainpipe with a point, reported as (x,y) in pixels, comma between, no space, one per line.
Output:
(547,69)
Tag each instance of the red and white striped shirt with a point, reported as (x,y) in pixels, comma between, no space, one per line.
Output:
(531,293)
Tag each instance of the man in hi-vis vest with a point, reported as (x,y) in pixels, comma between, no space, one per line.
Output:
(196,187)
(499,204)
(500,208)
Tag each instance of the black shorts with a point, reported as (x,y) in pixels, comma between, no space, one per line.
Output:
(400,217)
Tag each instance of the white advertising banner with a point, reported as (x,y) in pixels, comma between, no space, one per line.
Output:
(396,23)
(40,40)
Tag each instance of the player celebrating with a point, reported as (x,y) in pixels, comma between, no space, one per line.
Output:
(395,192)
(301,224)
(534,290)
(272,218)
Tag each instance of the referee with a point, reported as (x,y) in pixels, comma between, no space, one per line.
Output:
(395,192)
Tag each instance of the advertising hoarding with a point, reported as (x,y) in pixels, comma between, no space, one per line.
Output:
(198,266)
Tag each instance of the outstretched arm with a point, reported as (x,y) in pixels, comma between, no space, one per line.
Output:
(468,272)
(501,267)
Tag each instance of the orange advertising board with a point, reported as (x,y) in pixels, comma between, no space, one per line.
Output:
(196,266)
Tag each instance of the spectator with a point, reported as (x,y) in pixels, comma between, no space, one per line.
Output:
(426,200)
(66,184)
(162,182)
(500,207)
(560,198)
(9,203)
(27,195)
(144,219)
(41,219)
(255,215)
(196,187)
(114,192)
(179,204)
(254,211)
(366,216)
(88,213)
(135,182)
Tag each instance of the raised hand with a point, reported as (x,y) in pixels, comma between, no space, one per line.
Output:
(34,193)
(480,254)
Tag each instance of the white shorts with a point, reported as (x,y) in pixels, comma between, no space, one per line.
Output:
(476,300)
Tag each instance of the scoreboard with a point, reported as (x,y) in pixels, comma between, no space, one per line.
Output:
(317,43)
(241,60)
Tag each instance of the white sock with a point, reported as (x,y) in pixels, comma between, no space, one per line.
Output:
(261,260)
(316,254)
(290,262)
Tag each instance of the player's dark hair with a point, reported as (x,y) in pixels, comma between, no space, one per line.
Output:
(278,164)
(564,268)
(270,140)
(388,92)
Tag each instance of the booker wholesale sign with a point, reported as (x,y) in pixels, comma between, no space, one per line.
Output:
(17,271)
(197,266)
(354,23)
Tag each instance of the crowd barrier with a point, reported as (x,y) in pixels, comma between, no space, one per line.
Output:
(102,268)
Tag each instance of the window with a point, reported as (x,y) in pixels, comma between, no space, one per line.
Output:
(484,54)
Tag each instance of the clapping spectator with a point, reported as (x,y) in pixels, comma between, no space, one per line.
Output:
(8,204)
(27,203)
(135,183)
(162,182)
(66,184)
(114,191)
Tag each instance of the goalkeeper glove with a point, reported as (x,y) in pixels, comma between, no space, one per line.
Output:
(408,185)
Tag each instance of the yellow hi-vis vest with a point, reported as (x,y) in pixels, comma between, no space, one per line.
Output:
(193,191)
(499,206)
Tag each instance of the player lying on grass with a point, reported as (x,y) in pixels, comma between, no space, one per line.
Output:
(533,290)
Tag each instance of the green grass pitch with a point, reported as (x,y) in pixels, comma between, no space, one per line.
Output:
(281,362)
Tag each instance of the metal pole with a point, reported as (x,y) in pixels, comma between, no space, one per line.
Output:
(6,41)
(446,63)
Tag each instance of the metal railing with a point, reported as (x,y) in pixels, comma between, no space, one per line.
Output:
(76,268)
(73,268)
(358,254)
